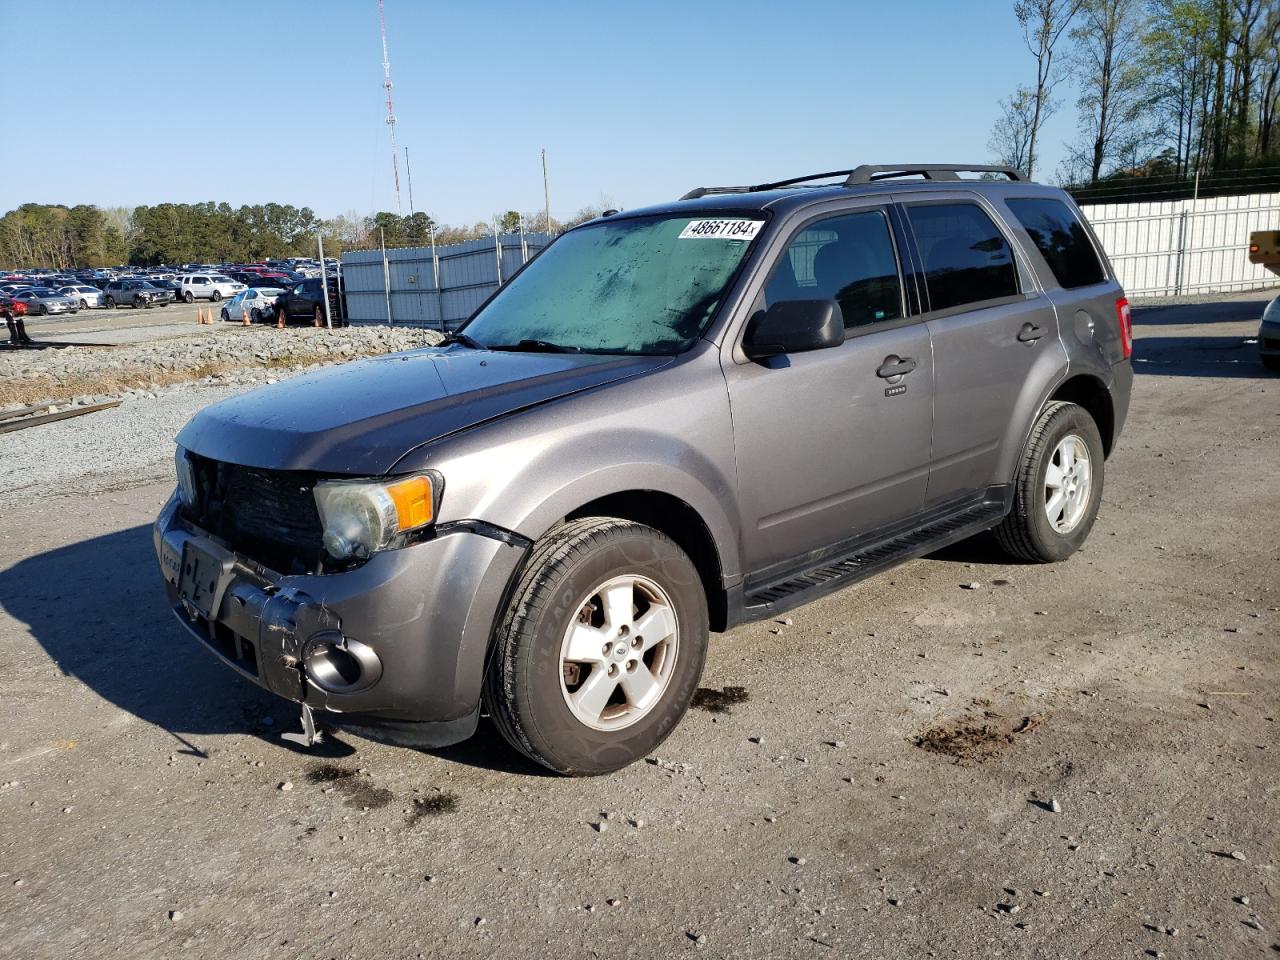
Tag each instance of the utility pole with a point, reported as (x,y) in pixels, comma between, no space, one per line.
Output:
(546,190)
(408,176)
(324,283)
(391,113)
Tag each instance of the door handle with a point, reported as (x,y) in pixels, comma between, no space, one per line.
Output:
(895,366)
(1030,333)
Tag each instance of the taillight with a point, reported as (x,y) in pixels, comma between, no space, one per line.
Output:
(1124,317)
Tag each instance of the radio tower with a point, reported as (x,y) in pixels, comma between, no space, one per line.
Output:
(391,113)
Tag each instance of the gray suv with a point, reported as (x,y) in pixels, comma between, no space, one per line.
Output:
(672,421)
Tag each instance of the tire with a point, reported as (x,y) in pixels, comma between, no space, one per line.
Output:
(109,303)
(139,303)
(43,311)
(1271,362)
(530,680)
(225,315)
(217,295)
(84,304)
(1063,430)
(255,315)
(189,297)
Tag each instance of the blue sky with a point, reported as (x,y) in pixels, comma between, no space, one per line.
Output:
(136,102)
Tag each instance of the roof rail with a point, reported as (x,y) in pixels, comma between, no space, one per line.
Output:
(871,172)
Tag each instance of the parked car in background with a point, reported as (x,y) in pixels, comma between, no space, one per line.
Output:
(174,288)
(1269,336)
(87,296)
(304,302)
(258,302)
(208,286)
(42,301)
(134,293)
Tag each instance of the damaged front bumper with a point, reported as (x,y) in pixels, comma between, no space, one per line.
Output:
(394,648)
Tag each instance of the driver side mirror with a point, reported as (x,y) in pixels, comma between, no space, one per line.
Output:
(794,326)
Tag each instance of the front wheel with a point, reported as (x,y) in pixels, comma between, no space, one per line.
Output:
(601,647)
(110,303)
(43,311)
(1058,487)
(1271,362)
(217,295)
(255,315)
(84,304)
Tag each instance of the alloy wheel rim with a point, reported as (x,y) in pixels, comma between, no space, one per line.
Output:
(618,653)
(1068,482)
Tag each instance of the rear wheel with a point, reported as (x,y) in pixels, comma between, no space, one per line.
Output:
(225,315)
(255,315)
(1058,487)
(189,297)
(601,647)
(1271,362)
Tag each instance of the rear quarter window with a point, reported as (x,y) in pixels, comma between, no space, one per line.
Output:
(1061,239)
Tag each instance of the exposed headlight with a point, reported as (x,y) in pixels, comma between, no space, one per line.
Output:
(186,478)
(363,517)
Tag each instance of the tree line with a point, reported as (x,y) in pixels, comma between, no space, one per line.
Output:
(62,237)
(1164,88)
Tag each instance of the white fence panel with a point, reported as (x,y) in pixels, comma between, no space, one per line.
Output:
(1175,247)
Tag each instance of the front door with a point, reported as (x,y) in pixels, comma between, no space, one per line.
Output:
(833,443)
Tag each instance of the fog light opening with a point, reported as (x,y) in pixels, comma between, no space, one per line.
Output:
(341,665)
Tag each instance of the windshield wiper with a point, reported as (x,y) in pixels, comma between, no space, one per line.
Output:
(537,346)
(464,340)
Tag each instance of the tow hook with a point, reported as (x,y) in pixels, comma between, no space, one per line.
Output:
(310,735)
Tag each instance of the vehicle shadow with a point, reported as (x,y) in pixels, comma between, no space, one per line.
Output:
(1219,311)
(99,610)
(1230,357)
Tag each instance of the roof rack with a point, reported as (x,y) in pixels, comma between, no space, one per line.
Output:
(870,173)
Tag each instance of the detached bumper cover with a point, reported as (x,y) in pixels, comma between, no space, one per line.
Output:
(426,610)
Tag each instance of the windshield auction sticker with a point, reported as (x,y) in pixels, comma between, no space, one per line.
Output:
(721,229)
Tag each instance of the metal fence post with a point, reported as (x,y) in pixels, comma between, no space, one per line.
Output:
(324,284)
(497,247)
(386,274)
(1182,250)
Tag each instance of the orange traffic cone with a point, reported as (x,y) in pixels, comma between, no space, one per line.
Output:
(279,318)
(244,315)
(199,316)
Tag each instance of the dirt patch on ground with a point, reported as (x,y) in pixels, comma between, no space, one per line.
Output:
(974,740)
(433,806)
(350,783)
(719,701)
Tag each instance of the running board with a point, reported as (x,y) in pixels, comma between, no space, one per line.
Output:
(874,554)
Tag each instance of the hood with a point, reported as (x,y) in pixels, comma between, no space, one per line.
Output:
(359,418)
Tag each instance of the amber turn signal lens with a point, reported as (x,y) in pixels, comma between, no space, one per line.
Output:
(413,501)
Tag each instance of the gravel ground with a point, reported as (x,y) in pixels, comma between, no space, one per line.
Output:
(1075,760)
(230,353)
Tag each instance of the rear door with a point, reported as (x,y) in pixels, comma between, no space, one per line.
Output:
(995,341)
(830,444)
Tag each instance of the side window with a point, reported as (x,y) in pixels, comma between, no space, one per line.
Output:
(849,259)
(1061,239)
(966,258)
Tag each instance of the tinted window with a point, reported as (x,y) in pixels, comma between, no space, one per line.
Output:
(966,259)
(848,259)
(1061,239)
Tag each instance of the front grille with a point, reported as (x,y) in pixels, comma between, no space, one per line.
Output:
(267,515)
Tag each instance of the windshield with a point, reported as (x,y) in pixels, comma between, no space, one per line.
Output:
(646,285)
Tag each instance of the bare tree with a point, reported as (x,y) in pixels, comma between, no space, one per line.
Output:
(1107,39)
(1011,136)
(1043,23)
